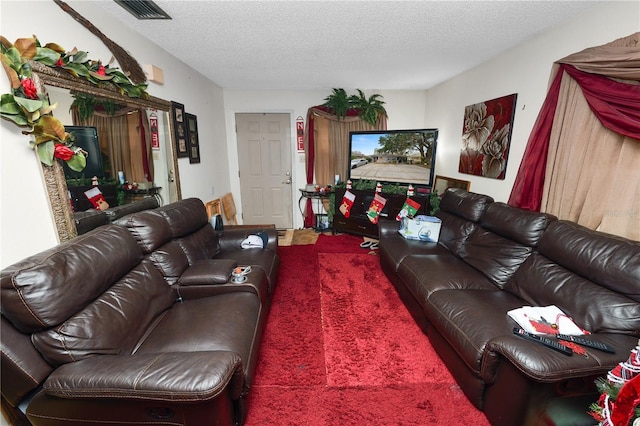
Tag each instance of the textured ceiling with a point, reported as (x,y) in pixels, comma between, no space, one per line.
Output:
(398,45)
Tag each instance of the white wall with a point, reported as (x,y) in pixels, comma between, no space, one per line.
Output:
(524,70)
(406,110)
(26,223)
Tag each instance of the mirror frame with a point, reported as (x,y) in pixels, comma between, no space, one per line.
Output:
(55,182)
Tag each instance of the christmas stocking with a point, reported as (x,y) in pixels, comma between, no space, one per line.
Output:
(375,208)
(409,209)
(97,199)
(347,202)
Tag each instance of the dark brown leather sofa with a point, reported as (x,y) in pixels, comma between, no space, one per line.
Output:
(492,258)
(90,219)
(93,332)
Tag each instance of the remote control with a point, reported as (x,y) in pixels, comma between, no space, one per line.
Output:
(585,342)
(545,341)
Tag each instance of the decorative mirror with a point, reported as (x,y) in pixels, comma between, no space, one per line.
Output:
(56,184)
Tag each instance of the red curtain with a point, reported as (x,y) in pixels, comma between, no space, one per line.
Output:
(309,218)
(617,106)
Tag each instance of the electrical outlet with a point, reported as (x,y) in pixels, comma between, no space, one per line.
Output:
(212,191)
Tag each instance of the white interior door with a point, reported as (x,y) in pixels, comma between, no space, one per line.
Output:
(264,154)
(165,174)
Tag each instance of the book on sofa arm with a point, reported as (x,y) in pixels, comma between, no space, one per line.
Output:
(545,320)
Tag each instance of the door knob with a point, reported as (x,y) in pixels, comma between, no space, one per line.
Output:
(288,181)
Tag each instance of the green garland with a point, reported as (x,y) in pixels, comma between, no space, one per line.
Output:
(29,109)
(394,188)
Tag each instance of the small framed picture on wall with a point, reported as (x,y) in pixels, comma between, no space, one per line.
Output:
(179,129)
(192,138)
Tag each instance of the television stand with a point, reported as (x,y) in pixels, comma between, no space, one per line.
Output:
(358,223)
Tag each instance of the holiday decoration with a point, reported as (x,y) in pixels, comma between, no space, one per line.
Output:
(347,202)
(94,195)
(376,206)
(620,394)
(409,209)
(30,110)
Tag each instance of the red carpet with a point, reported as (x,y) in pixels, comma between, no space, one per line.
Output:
(369,336)
(340,349)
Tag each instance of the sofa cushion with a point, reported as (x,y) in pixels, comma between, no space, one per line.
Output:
(469,319)
(504,241)
(89,219)
(425,274)
(542,282)
(117,212)
(523,226)
(496,257)
(593,277)
(203,243)
(394,248)
(608,260)
(45,289)
(454,231)
(149,228)
(467,205)
(185,216)
(226,322)
(113,323)
(170,260)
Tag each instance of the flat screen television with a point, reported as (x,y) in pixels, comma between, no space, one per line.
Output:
(87,139)
(394,157)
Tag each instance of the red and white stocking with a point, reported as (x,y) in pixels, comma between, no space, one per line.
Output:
(347,202)
(375,208)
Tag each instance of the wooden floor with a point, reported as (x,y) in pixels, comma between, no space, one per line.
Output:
(294,237)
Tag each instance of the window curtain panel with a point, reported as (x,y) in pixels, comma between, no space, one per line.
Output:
(326,142)
(123,138)
(140,147)
(582,157)
(114,140)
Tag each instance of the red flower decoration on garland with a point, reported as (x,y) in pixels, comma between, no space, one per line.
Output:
(101,70)
(29,88)
(63,152)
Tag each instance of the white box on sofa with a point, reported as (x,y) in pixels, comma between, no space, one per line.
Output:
(423,228)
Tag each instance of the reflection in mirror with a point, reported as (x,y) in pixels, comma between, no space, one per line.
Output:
(145,164)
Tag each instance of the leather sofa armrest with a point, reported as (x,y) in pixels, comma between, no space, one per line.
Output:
(208,271)
(230,239)
(388,227)
(184,377)
(544,364)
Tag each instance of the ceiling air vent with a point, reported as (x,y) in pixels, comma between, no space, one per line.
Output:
(143,9)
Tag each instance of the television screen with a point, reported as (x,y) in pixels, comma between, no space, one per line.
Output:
(394,156)
(87,139)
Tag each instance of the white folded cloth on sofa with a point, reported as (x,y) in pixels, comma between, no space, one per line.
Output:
(545,320)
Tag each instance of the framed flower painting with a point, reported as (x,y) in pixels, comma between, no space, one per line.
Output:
(486,137)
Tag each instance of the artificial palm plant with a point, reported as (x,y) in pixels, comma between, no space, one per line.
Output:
(338,102)
(369,109)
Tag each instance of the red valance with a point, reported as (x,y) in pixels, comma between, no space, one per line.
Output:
(615,104)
